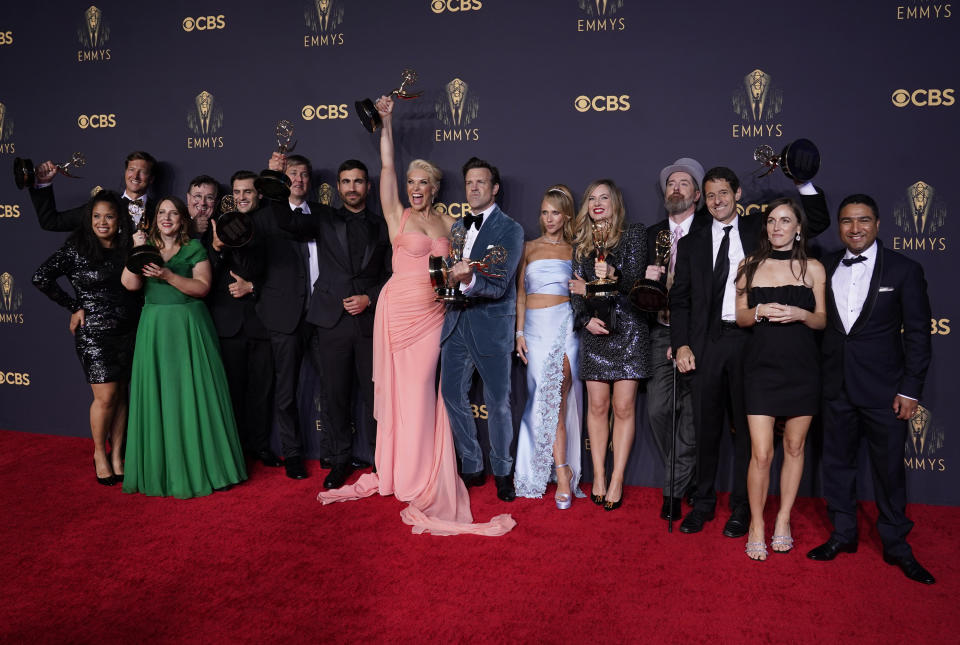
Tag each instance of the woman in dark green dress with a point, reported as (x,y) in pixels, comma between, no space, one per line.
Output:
(181,438)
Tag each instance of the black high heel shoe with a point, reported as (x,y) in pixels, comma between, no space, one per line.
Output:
(612,506)
(105,481)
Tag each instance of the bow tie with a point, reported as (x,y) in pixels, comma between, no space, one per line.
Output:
(475,220)
(851,261)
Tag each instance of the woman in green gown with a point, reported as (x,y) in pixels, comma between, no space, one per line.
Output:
(181,437)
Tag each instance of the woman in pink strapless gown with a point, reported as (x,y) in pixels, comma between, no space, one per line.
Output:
(415,456)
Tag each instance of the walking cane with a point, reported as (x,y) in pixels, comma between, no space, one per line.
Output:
(673,451)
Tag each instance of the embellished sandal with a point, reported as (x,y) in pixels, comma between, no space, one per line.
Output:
(781,543)
(563,500)
(756,551)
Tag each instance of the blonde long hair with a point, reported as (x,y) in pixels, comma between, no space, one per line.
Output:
(583,241)
(561,197)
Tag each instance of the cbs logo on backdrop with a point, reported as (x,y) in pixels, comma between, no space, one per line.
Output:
(439,6)
(602,103)
(85,121)
(6,37)
(14,378)
(204,23)
(923,97)
(321,112)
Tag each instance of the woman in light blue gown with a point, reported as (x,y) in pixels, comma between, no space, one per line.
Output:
(548,446)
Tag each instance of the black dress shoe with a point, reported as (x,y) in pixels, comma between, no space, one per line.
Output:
(473,479)
(295,468)
(738,523)
(505,488)
(911,568)
(338,475)
(830,549)
(267,458)
(694,521)
(671,509)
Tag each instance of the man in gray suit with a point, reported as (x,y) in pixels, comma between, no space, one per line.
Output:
(479,335)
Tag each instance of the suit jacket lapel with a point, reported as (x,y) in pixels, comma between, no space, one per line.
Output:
(340,247)
(872,292)
(833,315)
(371,238)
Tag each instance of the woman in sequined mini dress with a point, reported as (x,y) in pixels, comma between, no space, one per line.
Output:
(103,321)
(614,345)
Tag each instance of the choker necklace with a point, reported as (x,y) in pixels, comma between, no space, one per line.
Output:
(781,255)
(548,241)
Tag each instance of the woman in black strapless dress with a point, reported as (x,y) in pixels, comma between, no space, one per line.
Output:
(780,293)
(103,321)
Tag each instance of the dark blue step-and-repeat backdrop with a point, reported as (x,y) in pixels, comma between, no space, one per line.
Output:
(550,90)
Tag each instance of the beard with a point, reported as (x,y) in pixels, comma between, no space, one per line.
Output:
(677,203)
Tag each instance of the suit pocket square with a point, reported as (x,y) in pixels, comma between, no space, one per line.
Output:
(885,289)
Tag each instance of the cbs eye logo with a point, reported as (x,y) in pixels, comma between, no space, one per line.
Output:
(204,23)
(923,98)
(97,121)
(601,103)
(332,111)
(439,6)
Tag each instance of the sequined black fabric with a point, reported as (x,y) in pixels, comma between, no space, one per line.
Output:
(105,342)
(625,352)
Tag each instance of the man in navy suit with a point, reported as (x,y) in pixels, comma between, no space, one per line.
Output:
(480,335)
(876,350)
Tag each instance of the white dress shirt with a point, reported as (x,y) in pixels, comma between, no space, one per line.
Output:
(311,248)
(728,311)
(468,241)
(851,284)
(142,200)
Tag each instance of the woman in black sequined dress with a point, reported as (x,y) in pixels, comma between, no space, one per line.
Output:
(103,321)
(614,341)
(780,293)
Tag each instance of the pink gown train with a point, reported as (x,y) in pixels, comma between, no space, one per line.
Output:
(415,456)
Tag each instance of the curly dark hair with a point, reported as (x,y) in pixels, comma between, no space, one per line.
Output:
(86,241)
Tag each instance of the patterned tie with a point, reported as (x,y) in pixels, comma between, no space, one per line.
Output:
(677,234)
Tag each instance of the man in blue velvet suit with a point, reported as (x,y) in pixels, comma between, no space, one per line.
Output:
(479,335)
(876,350)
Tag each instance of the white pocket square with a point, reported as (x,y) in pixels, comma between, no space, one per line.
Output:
(885,289)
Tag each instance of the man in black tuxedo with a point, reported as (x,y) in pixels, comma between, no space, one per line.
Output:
(707,342)
(353,263)
(138,174)
(244,341)
(680,182)
(876,351)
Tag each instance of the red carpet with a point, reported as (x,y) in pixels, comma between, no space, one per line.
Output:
(265,562)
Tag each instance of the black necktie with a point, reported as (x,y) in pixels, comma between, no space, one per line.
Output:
(475,220)
(721,269)
(851,261)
